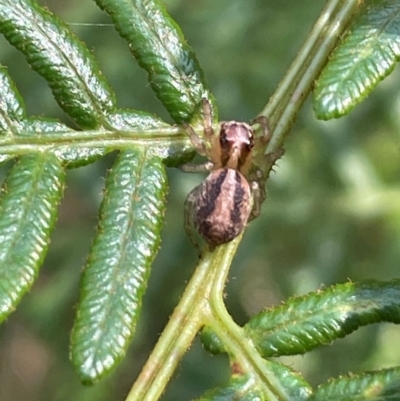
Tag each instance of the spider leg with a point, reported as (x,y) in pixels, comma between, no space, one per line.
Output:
(197,168)
(207,119)
(188,218)
(196,141)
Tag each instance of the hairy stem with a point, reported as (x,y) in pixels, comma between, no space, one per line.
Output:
(185,322)
(233,338)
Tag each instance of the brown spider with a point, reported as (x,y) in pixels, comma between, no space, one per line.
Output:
(220,206)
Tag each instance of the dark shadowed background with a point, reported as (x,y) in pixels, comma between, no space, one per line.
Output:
(332,213)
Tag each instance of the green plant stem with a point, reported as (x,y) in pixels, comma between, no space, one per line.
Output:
(169,133)
(301,59)
(298,81)
(185,322)
(233,336)
(161,139)
(164,132)
(24,148)
(192,312)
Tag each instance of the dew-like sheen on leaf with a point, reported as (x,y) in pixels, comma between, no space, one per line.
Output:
(116,275)
(318,318)
(28,210)
(367,55)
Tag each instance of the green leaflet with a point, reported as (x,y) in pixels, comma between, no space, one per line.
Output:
(61,58)
(367,55)
(296,388)
(28,210)
(116,275)
(240,387)
(12,108)
(28,206)
(245,387)
(158,44)
(318,318)
(211,341)
(383,385)
(127,119)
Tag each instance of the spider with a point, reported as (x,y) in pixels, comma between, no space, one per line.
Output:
(220,206)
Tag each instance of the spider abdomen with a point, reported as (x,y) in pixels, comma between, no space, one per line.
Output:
(222,206)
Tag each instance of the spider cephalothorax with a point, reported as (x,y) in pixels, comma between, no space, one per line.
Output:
(235,144)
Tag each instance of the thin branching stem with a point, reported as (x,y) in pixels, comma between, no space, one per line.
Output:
(299,79)
(164,141)
(167,133)
(301,61)
(232,336)
(185,322)
(117,143)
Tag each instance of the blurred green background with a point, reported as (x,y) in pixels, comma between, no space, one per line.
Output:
(332,213)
